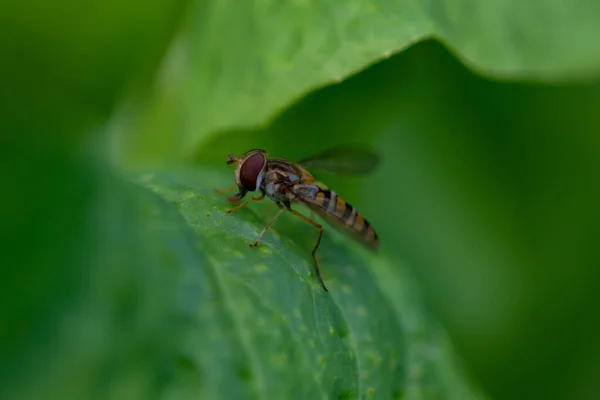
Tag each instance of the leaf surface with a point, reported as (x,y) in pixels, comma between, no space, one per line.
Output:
(370,337)
(237,65)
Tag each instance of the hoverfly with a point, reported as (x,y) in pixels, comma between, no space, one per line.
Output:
(286,182)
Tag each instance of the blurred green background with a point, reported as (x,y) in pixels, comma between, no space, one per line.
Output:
(123,278)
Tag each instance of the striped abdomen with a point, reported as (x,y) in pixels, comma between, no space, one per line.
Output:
(335,209)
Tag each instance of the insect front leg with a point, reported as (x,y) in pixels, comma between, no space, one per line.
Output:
(281,209)
(314,252)
(237,196)
(227,190)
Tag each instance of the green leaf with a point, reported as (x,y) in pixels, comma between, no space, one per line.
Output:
(237,65)
(111,291)
(369,337)
(156,294)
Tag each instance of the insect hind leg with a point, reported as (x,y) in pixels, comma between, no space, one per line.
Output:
(314,252)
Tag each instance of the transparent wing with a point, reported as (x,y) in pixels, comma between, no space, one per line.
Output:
(343,160)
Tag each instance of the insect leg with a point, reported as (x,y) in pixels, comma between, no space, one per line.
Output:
(314,252)
(281,209)
(227,190)
(259,198)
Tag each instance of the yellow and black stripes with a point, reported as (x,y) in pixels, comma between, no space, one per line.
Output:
(345,215)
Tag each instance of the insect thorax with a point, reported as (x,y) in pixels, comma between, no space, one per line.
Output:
(278,182)
(275,188)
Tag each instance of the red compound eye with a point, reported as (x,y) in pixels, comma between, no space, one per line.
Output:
(251,169)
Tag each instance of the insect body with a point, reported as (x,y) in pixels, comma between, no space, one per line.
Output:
(286,182)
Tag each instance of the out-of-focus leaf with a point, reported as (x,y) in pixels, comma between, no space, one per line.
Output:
(84,300)
(66,62)
(237,65)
